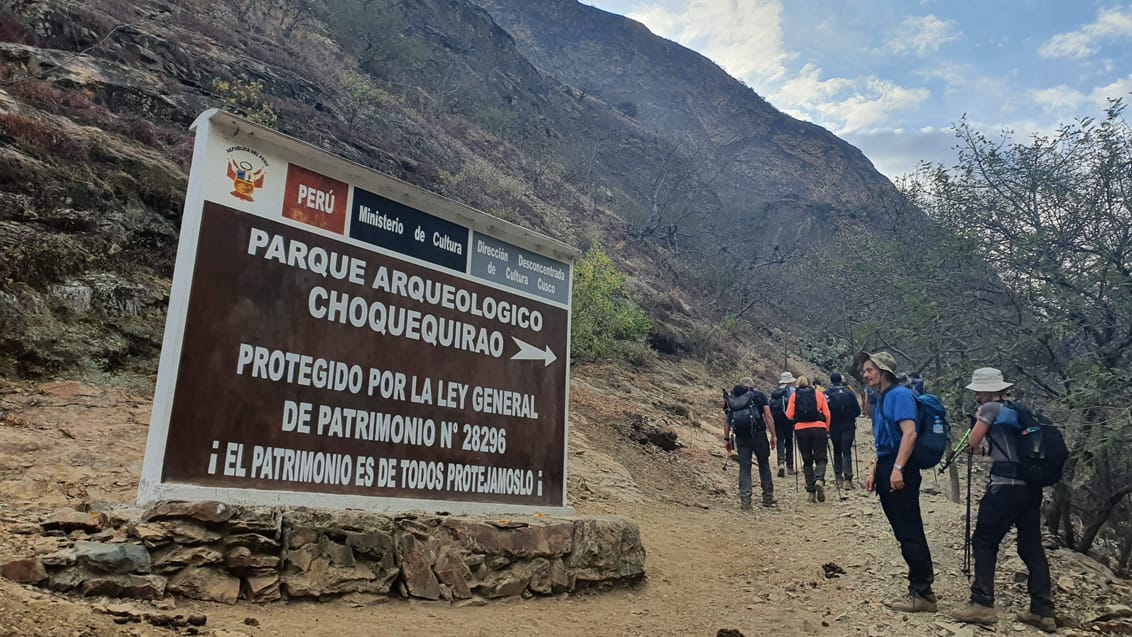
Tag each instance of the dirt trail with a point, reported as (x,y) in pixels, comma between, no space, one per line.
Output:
(709,565)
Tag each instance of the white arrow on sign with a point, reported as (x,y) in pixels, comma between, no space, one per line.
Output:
(528,352)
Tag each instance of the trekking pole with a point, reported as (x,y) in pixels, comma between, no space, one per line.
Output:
(797,462)
(967,530)
(836,481)
(959,446)
(856,456)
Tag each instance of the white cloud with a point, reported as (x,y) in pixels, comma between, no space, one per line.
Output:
(1058,98)
(922,35)
(1119,88)
(1110,24)
(745,38)
(1061,100)
(845,104)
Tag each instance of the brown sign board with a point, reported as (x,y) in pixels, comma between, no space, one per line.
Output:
(340,339)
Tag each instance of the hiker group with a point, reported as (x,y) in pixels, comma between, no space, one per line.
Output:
(800,421)
(911,434)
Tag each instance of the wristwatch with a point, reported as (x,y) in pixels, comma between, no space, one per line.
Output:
(897,467)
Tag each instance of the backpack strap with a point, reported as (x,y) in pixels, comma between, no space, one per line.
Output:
(1004,468)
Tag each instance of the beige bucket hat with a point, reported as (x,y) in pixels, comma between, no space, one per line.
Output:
(785,378)
(988,379)
(883,360)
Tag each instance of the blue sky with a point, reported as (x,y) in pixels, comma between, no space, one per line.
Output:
(892,76)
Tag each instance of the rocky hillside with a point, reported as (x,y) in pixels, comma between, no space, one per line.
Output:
(96,97)
(766,160)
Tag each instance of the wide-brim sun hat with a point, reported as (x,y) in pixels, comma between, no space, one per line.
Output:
(988,379)
(785,378)
(883,360)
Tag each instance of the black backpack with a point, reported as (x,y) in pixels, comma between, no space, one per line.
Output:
(806,405)
(779,399)
(843,403)
(1042,452)
(743,415)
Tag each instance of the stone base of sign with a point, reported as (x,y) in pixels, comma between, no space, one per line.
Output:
(216,552)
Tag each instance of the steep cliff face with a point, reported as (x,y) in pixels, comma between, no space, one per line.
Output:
(96,97)
(570,121)
(764,156)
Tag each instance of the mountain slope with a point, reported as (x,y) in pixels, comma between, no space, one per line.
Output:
(765,156)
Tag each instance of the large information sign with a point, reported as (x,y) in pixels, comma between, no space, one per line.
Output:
(338,338)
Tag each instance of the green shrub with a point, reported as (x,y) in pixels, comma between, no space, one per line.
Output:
(496,121)
(606,323)
(245,98)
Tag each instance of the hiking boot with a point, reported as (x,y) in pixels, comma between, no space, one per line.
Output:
(790,470)
(769,501)
(781,471)
(745,506)
(838,484)
(1045,624)
(975,614)
(810,497)
(910,603)
(849,484)
(819,488)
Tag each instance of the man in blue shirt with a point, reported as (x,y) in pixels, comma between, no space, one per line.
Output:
(896,481)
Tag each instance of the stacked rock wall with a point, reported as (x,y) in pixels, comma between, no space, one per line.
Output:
(215,552)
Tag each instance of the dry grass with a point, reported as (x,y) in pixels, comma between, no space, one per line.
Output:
(36,136)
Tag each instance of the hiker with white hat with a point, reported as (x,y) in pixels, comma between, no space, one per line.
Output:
(779,401)
(1008,501)
(896,480)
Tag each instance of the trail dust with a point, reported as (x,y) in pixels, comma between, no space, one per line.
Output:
(710,566)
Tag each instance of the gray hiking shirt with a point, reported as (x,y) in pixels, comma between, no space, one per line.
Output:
(1005,445)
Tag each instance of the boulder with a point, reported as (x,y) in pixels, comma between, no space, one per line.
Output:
(114,517)
(240,559)
(452,571)
(152,535)
(416,556)
(507,582)
(26,571)
(208,512)
(134,586)
(67,579)
(189,532)
(176,557)
(539,538)
(59,559)
(113,558)
(67,520)
(606,549)
(263,589)
(321,580)
(263,521)
(255,542)
(204,583)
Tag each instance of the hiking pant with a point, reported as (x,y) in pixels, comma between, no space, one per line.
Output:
(812,446)
(760,448)
(842,436)
(902,508)
(1002,507)
(785,444)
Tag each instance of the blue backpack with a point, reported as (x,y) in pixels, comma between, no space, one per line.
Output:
(932,431)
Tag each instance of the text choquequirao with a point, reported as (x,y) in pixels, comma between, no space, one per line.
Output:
(391,319)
